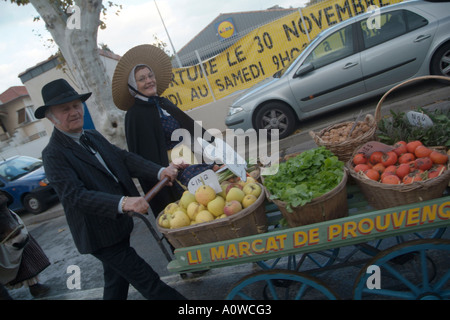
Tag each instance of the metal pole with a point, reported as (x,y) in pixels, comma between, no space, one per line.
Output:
(170,40)
(304,24)
(204,73)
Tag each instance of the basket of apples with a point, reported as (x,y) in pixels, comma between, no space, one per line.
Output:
(207,216)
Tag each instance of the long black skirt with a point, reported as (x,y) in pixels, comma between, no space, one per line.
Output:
(34,261)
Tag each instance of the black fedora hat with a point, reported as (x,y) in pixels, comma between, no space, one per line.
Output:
(58,92)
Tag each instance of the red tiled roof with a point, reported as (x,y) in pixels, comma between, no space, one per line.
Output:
(13,93)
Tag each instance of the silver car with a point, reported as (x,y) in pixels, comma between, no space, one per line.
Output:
(349,62)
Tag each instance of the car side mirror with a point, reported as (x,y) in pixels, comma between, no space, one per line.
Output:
(304,69)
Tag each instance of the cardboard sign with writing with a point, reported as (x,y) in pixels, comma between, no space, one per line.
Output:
(373,146)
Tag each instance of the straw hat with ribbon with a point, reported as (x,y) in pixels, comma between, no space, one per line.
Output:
(145,54)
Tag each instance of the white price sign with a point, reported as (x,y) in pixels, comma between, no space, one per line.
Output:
(207,177)
(419,119)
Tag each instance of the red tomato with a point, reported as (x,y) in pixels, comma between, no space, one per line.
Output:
(376,157)
(359,159)
(400,148)
(389,159)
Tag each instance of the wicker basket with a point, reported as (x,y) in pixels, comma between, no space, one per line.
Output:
(329,206)
(382,196)
(343,150)
(249,221)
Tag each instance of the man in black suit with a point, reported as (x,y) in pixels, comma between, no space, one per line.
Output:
(93,179)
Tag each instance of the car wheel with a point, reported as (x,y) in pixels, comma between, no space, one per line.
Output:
(276,115)
(34,204)
(440,64)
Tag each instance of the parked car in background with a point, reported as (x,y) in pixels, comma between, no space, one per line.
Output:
(349,62)
(23,179)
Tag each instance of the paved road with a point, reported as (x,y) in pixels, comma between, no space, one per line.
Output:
(51,231)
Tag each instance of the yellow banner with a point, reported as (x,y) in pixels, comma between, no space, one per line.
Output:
(260,53)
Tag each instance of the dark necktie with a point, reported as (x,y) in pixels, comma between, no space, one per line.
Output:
(87,144)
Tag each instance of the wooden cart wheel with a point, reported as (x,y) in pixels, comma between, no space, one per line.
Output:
(417,270)
(296,262)
(280,285)
(375,247)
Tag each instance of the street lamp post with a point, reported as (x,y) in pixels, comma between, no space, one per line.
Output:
(173,48)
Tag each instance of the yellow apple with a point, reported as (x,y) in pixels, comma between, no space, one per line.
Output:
(216,205)
(253,188)
(164,220)
(223,193)
(233,185)
(241,183)
(232,207)
(186,198)
(204,194)
(235,194)
(248,200)
(250,180)
(194,208)
(171,208)
(204,216)
(179,219)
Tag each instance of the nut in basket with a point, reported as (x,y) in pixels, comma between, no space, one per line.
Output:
(343,138)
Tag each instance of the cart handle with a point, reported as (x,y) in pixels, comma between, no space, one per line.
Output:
(149,196)
(157,188)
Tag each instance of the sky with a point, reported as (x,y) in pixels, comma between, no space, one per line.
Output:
(24,43)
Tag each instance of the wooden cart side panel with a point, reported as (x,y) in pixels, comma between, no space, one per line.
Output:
(340,232)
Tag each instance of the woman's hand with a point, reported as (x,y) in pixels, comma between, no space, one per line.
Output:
(172,170)
(179,163)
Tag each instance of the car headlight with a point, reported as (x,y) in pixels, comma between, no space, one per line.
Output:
(234,110)
(43,182)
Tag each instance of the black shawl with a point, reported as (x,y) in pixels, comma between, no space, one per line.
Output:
(145,136)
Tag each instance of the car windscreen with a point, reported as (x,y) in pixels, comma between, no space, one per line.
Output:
(18,167)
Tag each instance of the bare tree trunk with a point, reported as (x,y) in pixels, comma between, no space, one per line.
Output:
(79,48)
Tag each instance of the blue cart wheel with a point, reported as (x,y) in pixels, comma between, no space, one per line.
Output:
(376,246)
(280,285)
(414,270)
(308,261)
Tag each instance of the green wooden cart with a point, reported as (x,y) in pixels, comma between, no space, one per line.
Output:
(402,243)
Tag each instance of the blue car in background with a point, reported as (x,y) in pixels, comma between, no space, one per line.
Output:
(23,180)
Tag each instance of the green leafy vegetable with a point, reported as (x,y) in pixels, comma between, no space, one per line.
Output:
(305,177)
(397,128)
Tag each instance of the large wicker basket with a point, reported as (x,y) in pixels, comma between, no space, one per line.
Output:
(329,206)
(382,196)
(249,221)
(343,150)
